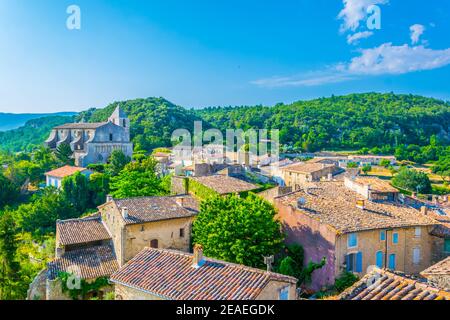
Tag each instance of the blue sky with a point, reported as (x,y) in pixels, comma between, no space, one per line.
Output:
(207,53)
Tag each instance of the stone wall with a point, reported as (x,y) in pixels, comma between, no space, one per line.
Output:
(37,289)
(178,185)
(273,289)
(271,194)
(126,293)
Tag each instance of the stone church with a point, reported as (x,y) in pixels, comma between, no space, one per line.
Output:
(94,142)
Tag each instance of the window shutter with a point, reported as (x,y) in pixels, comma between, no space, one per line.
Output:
(347,259)
(359,262)
(380,259)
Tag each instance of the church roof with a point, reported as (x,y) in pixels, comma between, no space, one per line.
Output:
(81,125)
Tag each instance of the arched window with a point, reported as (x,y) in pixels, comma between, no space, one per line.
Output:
(154,244)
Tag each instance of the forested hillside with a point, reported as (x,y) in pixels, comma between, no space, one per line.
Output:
(349,122)
(10,121)
(32,134)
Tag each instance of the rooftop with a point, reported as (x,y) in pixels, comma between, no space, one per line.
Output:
(443,217)
(307,168)
(149,209)
(391,286)
(440,268)
(65,171)
(224,184)
(88,263)
(171,275)
(333,204)
(376,184)
(81,125)
(84,230)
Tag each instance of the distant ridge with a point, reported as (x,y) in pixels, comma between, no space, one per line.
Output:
(9,121)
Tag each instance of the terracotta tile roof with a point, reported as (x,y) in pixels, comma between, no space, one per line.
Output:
(440,268)
(91,263)
(442,216)
(65,171)
(170,275)
(81,125)
(224,184)
(376,184)
(390,286)
(333,204)
(78,231)
(307,168)
(148,209)
(161,155)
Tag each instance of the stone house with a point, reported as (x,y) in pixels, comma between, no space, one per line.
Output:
(156,274)
(438,275)
(330,220)
(382,284)
(297,175)
(157,222)
(55,177)
(94,142)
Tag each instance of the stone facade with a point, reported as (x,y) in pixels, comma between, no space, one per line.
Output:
(94,142)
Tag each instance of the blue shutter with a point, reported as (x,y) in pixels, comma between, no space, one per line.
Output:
(395,238)
(380,259)
(392,262)
(347,258)
(359,258)
(382,235)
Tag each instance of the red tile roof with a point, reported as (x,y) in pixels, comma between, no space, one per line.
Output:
(65,171)
(306,168)
(149,209)
(87,263)
(78,231)
(385,285)
(440,268)
(170,275)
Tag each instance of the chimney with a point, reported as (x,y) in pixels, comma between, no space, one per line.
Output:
(180,201)
(361,204)
(330,177)
(125,213)
(424,210)
(198,260)
(109,198)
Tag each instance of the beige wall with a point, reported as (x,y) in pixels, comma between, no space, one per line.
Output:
(116,226)
(127,293)
(273,288)
(167,232)
(369,244)
(292,178)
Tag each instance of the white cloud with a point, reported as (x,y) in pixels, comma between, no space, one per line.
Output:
(354,38)
(355,11)
(416,32)
(383,60)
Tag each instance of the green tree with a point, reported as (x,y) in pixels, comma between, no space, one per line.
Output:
(117,161)
(366,169)
(9,192)
(8,264)
(138,179)
(412,180)
(98,188)
(385,163)
(239,230)
(64,153)
(75,190)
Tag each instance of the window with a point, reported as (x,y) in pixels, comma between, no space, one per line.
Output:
(380,257)
(352,240)
(392,262)
(182,233)
(416,255)
(124,123)
(154,244)
(418,232)
(284,293)
(395,238)
(383,235)
(447,245)
(354,262)
(142,228)
(110,137)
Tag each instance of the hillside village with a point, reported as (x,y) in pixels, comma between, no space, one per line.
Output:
(349,227)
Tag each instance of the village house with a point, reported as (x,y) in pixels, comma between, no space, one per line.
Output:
(297,175)
(371,160)
(213,184)
(98,245)
(330,220)
(157,222)
(382,284)
(94,142)
(157,274)
(55,177)
(438,275)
